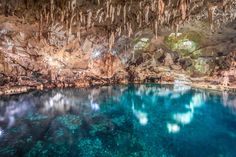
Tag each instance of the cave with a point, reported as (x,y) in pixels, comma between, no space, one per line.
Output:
(104,78)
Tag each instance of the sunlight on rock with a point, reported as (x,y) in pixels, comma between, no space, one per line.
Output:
(52,61)
(141,44)
(175,34)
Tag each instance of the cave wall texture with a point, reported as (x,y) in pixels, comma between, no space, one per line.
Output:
(84,42)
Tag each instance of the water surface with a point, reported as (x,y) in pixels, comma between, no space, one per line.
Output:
(119,121)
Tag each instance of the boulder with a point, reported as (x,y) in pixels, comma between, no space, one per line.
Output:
(168,60)
(87,46)
(203,66)
(159,55)
(185,62)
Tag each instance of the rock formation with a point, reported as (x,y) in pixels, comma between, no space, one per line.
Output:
(60,43)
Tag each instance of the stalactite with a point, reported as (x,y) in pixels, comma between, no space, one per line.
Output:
(47,18)
(100,19)
(73,5)
(97,13)
(107,9)
(110,10)
(52,10)
(156,28)
(130,31)
(147,10)
(183,8)
(161,8)
(113,15)
(124,14)
(211,10)
(40,26)
(118,10)
(71,24)
(63,15)
(140,19)
(111,40)
(89,19)
(119,31)
(153,5)
(79,31)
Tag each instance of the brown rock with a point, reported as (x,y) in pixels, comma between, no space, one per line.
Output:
(168,60)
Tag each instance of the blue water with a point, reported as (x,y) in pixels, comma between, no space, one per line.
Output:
(119,121)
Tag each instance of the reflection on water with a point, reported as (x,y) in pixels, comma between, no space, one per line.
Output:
(185,118)
(134,120)
(229,101)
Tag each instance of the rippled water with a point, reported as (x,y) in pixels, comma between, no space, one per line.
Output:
(119,121)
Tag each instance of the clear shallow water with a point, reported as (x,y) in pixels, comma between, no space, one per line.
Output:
(119,121)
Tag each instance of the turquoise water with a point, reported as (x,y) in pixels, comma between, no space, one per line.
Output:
(119,121)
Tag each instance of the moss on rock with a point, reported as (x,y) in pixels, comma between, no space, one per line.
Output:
(185,43)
